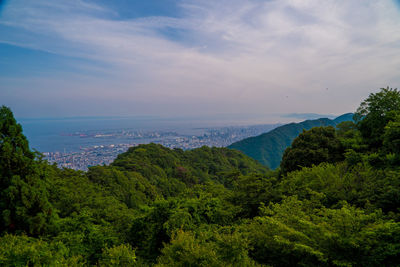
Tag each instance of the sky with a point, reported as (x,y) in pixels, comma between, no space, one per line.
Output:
(195,58)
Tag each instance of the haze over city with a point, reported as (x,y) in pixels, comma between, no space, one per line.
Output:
(196,58)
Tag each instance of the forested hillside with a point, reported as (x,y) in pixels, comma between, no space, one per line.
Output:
(268,148)
(333,202)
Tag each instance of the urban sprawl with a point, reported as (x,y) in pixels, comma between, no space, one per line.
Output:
(104,154)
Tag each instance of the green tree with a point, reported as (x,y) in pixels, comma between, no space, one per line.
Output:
(27,251)
(312,147)
(209,248)
(391,138)
(374,113)
(24,205)
(122,255)
(305,233)
(250,191)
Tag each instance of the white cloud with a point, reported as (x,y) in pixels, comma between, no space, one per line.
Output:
(258,56)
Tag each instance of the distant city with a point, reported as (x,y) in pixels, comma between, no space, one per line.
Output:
(104,153)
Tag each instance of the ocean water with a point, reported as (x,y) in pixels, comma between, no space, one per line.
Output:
(50,135)
(56,134)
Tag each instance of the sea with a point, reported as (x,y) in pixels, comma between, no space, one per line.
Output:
(63,134)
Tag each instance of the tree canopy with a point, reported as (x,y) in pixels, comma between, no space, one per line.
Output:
(335,202)
(23,204)
(375,112)
(314,146)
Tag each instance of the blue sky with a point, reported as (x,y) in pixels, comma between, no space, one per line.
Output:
(197,58)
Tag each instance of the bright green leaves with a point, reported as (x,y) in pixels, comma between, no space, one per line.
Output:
(130,188)
(27,251)
(374,113)
(223,247)
(122,255)
(301,233)
(160,223)
(186,250)
(171,171)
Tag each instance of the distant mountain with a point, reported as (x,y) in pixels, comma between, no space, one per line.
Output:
(344,117)
(268,148)
(307,116)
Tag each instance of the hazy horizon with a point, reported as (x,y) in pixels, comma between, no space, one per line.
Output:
(195,58)
(220,115)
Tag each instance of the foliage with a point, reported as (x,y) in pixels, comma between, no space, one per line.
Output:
(156,206)
(374,113)
(391,137)
(251,191)
(224,248)
(304,233)
(312,147)
(268,148)
(23,187)
(171,171)
(122,255)
(27,251)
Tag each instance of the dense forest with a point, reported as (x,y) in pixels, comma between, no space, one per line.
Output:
(268,148)
(334,201)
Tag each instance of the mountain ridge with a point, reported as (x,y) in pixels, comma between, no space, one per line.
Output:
(268,147)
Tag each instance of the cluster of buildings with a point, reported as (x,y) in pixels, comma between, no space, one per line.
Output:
(90,156)
(105,154)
